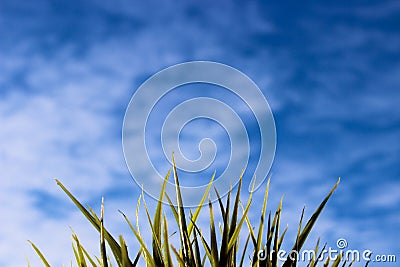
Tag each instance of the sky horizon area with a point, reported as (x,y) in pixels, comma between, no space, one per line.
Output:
(330,72)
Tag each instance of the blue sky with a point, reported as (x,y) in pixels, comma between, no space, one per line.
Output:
(330,72)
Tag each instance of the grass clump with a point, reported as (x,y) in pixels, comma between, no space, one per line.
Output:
(220,249)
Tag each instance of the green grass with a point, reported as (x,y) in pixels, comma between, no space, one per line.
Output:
(221,248)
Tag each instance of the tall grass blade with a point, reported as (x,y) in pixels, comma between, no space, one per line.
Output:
(307,229)
(235,234)
(184,235)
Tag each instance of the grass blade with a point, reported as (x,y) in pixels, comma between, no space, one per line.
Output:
(199,206)
(184,235)
(41,256)
(102,242)
(115,248)
(214,245)
(309,225)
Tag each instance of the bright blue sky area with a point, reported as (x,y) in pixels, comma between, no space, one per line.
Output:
(329,70)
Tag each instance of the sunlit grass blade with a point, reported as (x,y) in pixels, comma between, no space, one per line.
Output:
(300,226)
(282,237)
(88,257)
(41,256)
(78,251)
(76,255)
(167,254)
(235,234)
(82,259)
(221,248)
(221,205)
(262,219)
(156,239)
(199,206)
(156,227)
(276,235)
(147,254)
(95,221)
(235,210)
(184,235)
(173,208)
(124,253)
